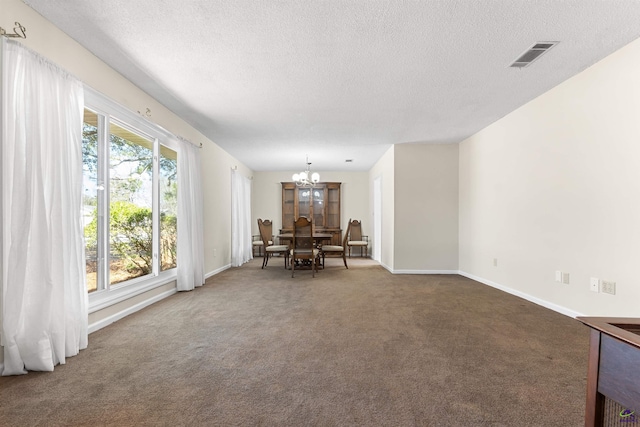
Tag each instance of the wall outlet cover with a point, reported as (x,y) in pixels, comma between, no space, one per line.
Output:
(594,284)
(565,278)
(558,276)
(608,287)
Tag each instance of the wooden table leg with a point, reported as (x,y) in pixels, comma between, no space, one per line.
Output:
(594,411)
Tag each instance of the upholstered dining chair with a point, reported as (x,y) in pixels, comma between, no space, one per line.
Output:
(269,248)
(356,238)
(336,249)
(257,243)
(302,246)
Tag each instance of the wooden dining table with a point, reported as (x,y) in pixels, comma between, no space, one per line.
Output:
(317,237)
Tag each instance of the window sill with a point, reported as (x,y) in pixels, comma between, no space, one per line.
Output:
(103,299)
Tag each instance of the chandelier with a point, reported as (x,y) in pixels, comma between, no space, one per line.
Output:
(306,178)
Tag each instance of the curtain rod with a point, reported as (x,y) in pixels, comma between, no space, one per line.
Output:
(235,169)
(186,140)
(18,31)
(147,117)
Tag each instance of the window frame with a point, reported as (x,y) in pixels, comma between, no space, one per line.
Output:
(107,109)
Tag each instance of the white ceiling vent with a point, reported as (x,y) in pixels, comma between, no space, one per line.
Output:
(533,53)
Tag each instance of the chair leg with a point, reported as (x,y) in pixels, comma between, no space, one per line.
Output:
(344,258)
(265,260)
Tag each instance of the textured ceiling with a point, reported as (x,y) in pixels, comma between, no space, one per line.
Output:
(273,81)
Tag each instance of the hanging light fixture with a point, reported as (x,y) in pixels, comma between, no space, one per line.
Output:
(306,178)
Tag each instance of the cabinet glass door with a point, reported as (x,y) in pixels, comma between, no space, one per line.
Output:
(318,207)
(304,202)
(288,207)
(333,208)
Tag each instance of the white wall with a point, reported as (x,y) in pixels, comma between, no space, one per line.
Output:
(354,195)
(384,168)
(44,38)
(552,186)
(555,185)
(426,208)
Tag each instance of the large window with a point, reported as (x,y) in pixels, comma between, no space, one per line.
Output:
(130,200)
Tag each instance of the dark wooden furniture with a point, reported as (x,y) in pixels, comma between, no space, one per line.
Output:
(321,204)
(256,240)
(318,238)
(613,369)
(267,243)
(303,245)
(357,239)
(337,250)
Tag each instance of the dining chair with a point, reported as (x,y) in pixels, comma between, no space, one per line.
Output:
(356,238)
(336,249)
(269,248)
(256,245)
(256,241)
(302,247)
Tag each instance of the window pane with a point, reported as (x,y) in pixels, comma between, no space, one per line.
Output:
(90,196)
(130,205)
(168,208)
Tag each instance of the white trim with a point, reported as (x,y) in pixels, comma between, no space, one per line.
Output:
(130,310)
(102,299)
(386,267)
(423,271)
(219,270)
(551,306)
(104,105)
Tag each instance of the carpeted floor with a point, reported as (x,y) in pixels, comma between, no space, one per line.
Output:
(357,347)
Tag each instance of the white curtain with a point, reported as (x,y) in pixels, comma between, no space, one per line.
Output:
(241,250)
(44,296)
(190,220)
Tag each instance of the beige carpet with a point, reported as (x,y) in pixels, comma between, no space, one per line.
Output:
(357,347)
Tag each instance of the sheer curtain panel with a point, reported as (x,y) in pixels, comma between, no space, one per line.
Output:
(190,220)
(241,250)
(44,297)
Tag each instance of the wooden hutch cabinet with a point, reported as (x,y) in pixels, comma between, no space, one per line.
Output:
(321,203)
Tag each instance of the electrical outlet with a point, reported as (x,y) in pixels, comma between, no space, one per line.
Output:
(558,276)
(214,252)
(495,262)
(594,284)
(565,278)
(608,287)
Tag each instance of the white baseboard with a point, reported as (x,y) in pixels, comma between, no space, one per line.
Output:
(551,306)
(386,267)
(423,271)
(130,310)
(216,271)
